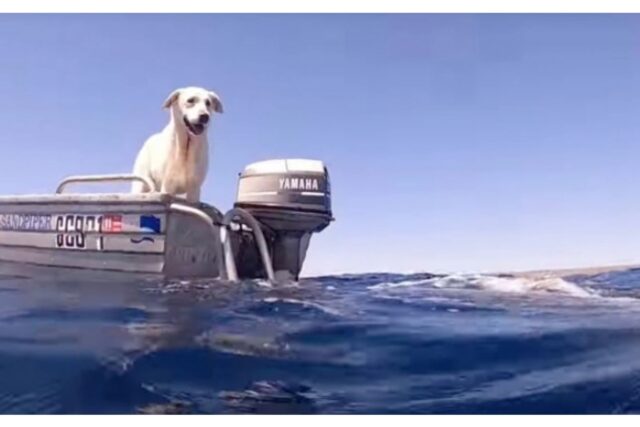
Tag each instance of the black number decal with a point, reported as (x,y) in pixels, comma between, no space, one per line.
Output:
(101,238)
(69,228)
(79,226)
(72,230)
(60,229)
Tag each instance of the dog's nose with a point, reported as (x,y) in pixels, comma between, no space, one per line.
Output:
(203,119)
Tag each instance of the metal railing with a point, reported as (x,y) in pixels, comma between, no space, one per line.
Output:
(260,241)
(228,270)
(104,178)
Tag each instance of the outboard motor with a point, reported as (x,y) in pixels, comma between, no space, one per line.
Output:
(291,199)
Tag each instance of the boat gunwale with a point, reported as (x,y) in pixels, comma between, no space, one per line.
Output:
(67,198)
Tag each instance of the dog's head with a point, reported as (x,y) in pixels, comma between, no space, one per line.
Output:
(193,107)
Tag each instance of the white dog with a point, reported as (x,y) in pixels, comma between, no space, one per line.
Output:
(176,160)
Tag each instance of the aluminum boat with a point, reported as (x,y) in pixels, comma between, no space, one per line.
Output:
(279,205)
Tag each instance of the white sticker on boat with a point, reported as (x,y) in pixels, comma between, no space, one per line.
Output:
(25,222)
(72,228)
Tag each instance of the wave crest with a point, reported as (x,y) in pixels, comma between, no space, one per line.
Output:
(506,284)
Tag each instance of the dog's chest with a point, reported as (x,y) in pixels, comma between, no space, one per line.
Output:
(186,169)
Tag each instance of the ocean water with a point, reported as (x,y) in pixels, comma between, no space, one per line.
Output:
(350,344)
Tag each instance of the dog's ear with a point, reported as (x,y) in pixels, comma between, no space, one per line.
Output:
(171,98)
(216,102)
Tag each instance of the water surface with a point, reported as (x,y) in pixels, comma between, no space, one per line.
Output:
(371,343)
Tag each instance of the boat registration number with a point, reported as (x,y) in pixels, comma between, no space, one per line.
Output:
(71,230)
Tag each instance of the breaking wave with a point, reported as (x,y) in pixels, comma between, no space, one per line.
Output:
(502,284)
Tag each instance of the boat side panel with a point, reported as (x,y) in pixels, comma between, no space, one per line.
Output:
(95,242)
(192,249)
(112,261)
(109,236)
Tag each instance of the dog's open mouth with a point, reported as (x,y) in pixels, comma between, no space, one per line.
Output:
(195,129)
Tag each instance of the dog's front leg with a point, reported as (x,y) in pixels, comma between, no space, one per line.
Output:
(163,188)
(193,195)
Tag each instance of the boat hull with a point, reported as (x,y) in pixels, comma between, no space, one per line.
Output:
(136,233)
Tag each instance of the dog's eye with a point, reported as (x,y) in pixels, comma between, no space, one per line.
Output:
(208,103)
(191,101)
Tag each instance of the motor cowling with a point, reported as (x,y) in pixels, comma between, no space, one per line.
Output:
(291,199)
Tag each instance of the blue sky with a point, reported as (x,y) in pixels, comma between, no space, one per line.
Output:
(454,142)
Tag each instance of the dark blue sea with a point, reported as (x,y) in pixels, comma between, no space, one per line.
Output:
(349,344)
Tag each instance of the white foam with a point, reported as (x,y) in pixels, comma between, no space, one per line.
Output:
(327,310)
(516,285)
(523,285)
